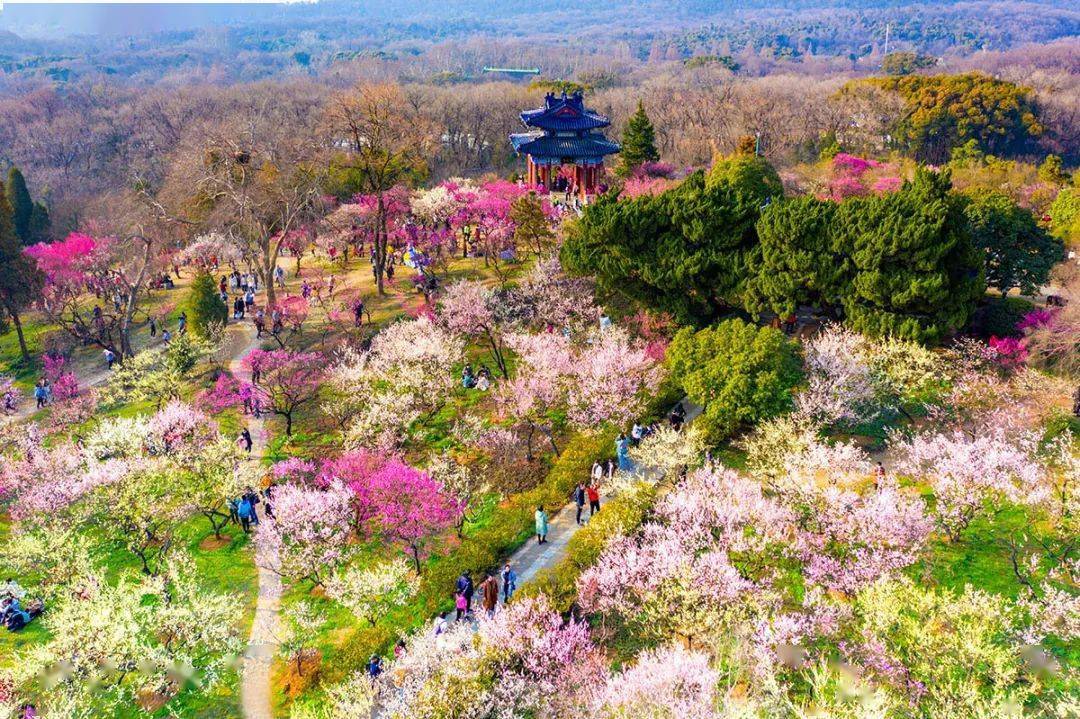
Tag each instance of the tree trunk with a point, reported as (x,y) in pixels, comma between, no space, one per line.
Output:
(19,331)
(126,349)
(381,241)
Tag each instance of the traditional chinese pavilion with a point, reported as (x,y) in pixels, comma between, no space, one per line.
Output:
(564,132)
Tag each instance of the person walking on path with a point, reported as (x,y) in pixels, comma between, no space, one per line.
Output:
(245,438)
(110,358)
(594,499)
(246,511)
(490,589)
(622,453)
(461,605)
(441,623)
(465,589)
(541,526)
(509,582)
(579,500)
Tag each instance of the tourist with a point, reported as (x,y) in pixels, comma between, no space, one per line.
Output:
(399,648)
(249,298)
(374,667)
(483,379)
(461,604)
(260,323)
(358,313)
(490,591)
(441,623)
(879,475)
(181,324)
(110,358)
(245,439)
(238,308)
(468,379)
(509,582)
(636,433)
(605,321)
(465,589)
(579,499)
(153,327)
(268,501)
(597,473)
(246,512)
(677,417)
(279,275)
(223,286)
(594,499)
(166,336)
(252,499)
(622,454)
(541,526)
(39,393)
(610,468)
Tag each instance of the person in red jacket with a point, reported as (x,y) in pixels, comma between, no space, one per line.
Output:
(594,499)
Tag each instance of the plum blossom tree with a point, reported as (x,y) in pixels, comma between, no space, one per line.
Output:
(849,541)
(310,534)
(117,640)
(369,592)
(698,569)
(661,684)
(481,313)
(283,382)
(603,380)
(210,251)
(106,267)
(972,474)
(394,501)
(523,661)
(406,375)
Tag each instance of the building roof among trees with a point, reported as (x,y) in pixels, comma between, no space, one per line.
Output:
(586,146)
(567,112)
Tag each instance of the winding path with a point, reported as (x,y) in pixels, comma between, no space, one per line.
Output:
(255,697)
(531,558)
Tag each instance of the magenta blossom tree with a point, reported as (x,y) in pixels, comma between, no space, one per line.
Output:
(282,382)
(394,500)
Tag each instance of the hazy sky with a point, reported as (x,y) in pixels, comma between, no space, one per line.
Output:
(52,19)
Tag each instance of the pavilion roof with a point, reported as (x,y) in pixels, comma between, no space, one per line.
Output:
(588,146)
(564,113)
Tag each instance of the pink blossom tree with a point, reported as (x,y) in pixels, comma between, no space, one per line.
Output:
(310,533)
(605,380)
(662,683)
(282,382)
(970,475)
(394,500)
(111,270)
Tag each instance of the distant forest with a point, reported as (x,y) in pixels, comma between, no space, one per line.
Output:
(456,39)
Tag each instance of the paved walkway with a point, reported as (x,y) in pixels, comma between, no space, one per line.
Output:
(533,557)
(255,696)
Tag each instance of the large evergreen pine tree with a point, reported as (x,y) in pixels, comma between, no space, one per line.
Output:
(20,279)
(638,142)
(22,206)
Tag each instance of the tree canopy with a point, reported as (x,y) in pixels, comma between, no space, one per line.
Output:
(1019,253)
(738,372)
(684,251)
(945,111)
(901,263)
(638,141)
